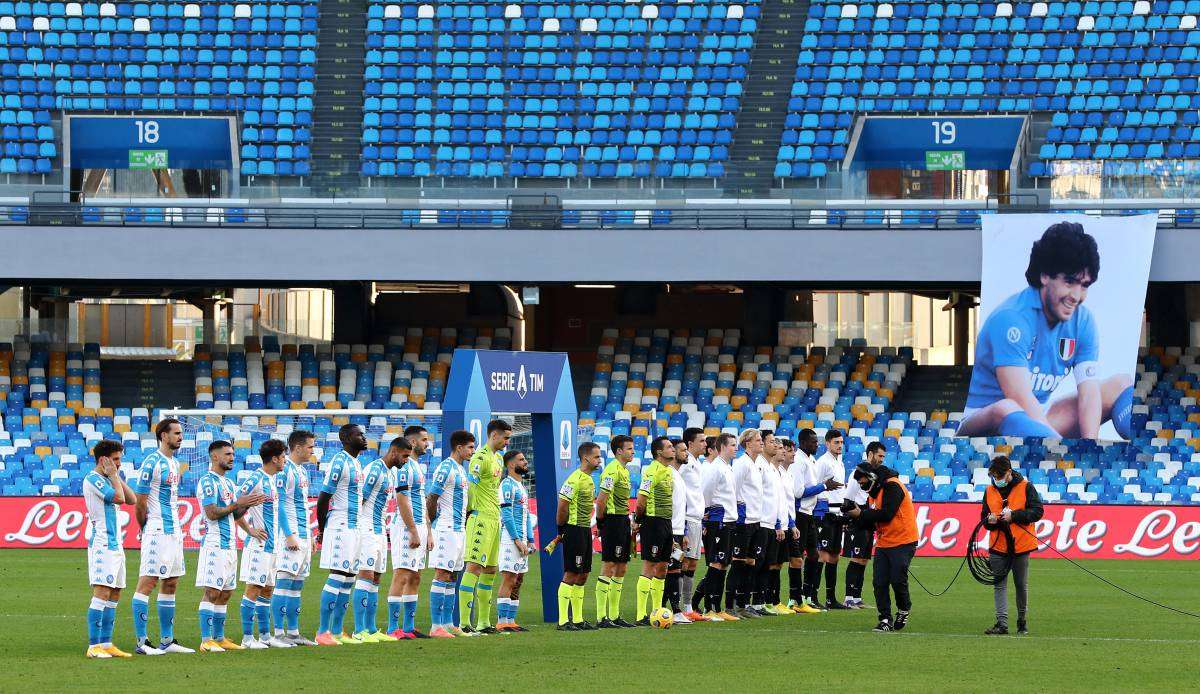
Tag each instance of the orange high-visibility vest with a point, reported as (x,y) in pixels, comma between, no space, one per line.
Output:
(902,528)
(1022,534)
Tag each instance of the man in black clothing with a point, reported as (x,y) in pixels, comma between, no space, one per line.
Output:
(890,510)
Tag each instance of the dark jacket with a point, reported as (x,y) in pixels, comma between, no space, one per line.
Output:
(893,496)
(1032,512)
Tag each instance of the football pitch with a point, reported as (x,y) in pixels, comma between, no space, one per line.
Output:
(1084,636)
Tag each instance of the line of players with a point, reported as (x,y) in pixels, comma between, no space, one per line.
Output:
(471,515)
(751,514)
(773,505)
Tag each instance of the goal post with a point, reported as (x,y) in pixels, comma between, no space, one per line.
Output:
(535,383)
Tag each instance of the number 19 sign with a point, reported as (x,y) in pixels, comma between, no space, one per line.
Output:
(150,142)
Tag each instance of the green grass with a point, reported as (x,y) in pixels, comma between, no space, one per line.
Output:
(1085,636)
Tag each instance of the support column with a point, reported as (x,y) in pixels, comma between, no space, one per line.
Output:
(1171,310)
(962,304)
(352,313)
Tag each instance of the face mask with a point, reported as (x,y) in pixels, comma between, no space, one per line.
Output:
(1000,484)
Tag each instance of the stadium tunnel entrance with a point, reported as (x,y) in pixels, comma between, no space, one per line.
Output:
(933,158)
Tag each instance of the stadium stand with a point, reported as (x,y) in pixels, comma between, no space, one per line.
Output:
(657,382)
(409,372)
(553,89)
(1117,78)
(253,57)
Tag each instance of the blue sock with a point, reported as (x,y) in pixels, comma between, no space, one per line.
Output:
(166,617)
(393,613)
(373,609)
(361,598)
(410,612)
(141,615)
(329,598)
(513,607)
(247,610)
(1020,424)
(449,604)
(293,617)
(337,625)
(435,604)
(219,622)
(262,609)
(95,620)
(110,622)
(279,603)
(206,621)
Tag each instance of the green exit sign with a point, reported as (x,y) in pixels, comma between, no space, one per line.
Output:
(148,159)
(946,161)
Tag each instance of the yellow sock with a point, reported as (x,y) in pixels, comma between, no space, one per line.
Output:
(602,588)
(643,597)
(564,602)
(657,587)
(614,597)
(577,605)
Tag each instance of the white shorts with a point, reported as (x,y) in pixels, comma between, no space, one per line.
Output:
(293,563)
(694,533)
(339,548)
(448,548)
(372,552)
(162,554)
(511,559)
(258,567)
(402,556)
(217,568)
(106,567)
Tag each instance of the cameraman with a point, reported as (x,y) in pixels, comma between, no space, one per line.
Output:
(1011,506)
(890,510)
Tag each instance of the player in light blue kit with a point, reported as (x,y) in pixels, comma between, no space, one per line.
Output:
(293,548)
(1036,338)
(446,507)
(216,570)
(258,556)
(103,492)
(379,479)
(516,539)
(410,542)
(337,518)
(157,489)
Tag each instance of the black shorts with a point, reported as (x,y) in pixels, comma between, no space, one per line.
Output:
(656,539)
(857,542)
(782,550)
(829,534)
(806,543)
(740,540)
(615,539)
(577,549)
(715,538)
(770,548)
(759,541)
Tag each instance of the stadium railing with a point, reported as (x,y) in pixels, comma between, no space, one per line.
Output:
(282,215)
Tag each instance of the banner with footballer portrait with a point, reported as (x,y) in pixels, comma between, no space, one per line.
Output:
(1060,321)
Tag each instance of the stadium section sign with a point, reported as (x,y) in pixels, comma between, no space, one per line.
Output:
(936,143)
(149,142)
(1078,531)
(1060,321)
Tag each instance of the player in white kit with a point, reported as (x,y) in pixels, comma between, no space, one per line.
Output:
(379,479)
(410,544)
(446,508)
(293,549)
(103,492)
(516,538)
(337,520)
(216,569)
(257,570)
(693,439)
(157,489)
